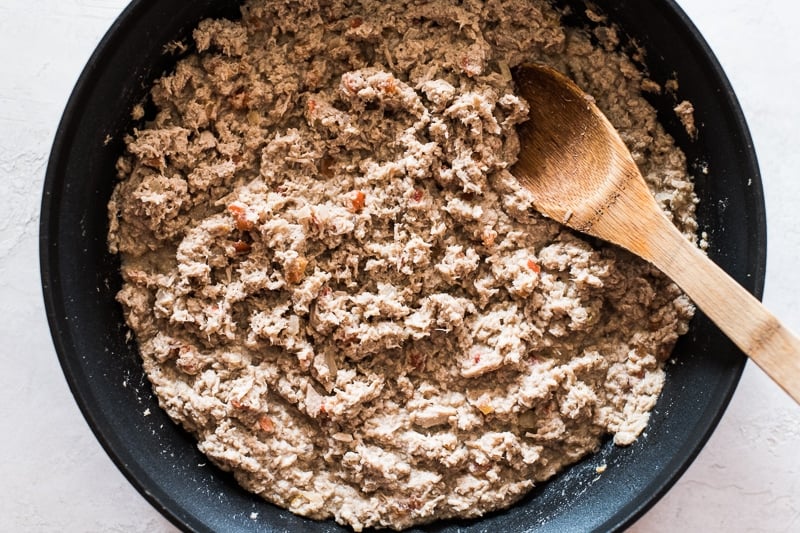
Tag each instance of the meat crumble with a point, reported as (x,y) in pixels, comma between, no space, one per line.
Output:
(338,287)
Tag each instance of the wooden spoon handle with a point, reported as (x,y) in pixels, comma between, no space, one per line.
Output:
(734,310)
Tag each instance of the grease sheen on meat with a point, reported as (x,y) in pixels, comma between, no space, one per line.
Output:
(339,288)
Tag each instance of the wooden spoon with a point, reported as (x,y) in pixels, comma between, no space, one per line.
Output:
(582,175)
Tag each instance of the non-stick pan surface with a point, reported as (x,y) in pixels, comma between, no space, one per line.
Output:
(101,364)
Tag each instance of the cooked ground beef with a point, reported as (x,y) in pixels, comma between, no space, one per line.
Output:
(339,288)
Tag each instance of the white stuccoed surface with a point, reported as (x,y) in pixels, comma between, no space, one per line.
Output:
(54,476)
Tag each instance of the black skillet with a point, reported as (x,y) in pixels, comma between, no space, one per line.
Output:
(80,278)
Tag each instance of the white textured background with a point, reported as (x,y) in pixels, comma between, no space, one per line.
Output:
(55,477)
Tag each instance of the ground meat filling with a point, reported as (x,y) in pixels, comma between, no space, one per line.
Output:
(339,288)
